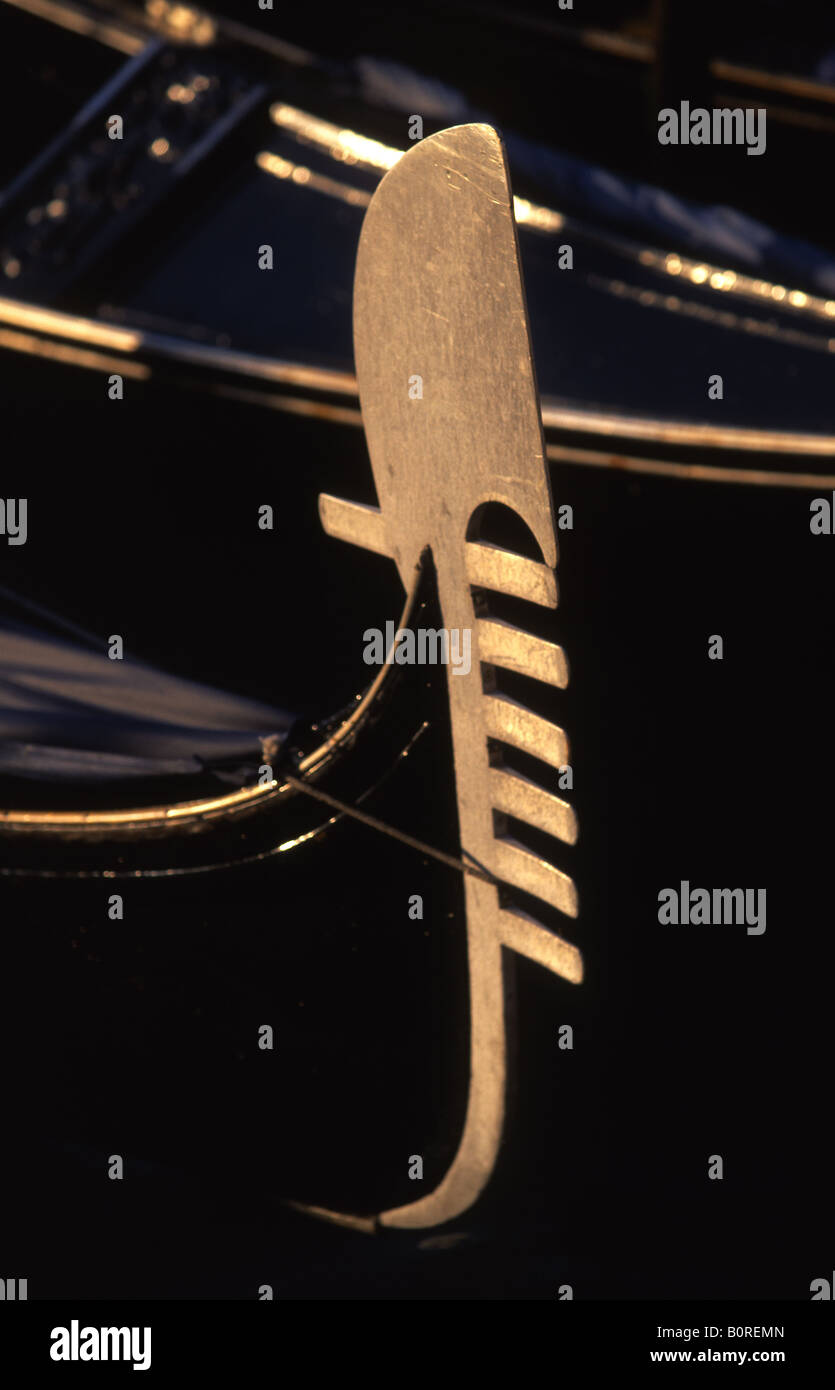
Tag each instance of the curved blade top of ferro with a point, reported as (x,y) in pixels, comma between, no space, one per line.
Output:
(438,296)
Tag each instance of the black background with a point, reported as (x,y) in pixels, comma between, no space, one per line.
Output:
(139,1037)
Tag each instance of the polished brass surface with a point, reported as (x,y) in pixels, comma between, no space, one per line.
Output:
(77,330)
(502,644)
(347,147)
(491,567)
(520,797)
(511,722)
(438,297)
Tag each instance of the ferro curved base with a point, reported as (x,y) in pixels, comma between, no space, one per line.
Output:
(452,419)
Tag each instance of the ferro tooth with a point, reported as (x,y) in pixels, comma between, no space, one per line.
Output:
(536,876)
(354,522)
(491,567)
(530,938)
(504,644)
(513,723)
(520,797)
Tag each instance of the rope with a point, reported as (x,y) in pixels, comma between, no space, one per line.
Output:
(343,807)
(375,824)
